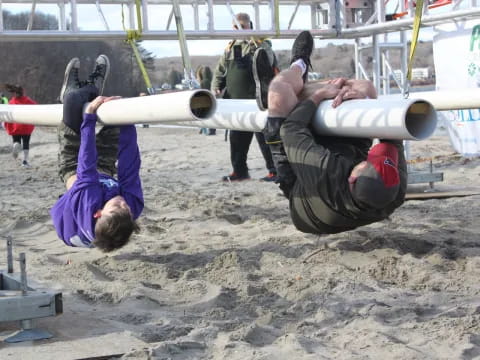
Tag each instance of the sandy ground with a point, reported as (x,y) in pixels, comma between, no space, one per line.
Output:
(219,271)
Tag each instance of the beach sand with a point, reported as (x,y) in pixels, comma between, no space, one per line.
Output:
(220,272)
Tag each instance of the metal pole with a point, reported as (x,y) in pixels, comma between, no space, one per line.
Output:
(1,17)
(23,273)
(145,15)
(9,254)
(73,6)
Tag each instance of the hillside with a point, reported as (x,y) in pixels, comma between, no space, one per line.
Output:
(330,61)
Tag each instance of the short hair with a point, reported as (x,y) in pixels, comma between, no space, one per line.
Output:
(17,89)
(243,18)
(113,231)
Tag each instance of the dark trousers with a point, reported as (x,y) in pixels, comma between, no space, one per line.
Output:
(239,145)
(69,135)
(22,139)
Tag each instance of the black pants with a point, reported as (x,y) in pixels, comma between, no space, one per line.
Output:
(239,145)
(69,135)
(22,139)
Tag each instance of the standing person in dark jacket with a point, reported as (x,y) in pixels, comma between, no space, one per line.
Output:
(235,77)
(334,184)
(97,210)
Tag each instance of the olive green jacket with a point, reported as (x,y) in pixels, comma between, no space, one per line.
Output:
(227,67)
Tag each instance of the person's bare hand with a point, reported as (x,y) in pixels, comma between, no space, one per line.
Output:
(99,100)
(338,82)
(347,93)
(329,91)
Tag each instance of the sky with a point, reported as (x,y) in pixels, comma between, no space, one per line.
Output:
(90,19)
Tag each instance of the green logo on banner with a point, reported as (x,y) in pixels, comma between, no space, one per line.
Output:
(475,38)
(473,69)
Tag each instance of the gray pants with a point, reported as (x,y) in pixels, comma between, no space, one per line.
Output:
(69,141)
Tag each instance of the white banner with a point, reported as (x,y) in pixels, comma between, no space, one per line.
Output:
(456,52)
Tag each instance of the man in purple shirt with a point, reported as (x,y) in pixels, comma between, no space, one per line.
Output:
(97,210)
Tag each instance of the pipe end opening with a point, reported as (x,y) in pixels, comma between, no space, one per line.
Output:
(421,120)
(202,104)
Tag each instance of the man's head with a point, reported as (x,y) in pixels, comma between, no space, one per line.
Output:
(115,225)
(243,20)
(375,182)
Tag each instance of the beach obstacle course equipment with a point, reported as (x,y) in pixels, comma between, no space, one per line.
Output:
(19,301)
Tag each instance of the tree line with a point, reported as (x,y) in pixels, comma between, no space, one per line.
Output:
(39,66)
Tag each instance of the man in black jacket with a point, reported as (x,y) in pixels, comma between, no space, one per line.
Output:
(334,184)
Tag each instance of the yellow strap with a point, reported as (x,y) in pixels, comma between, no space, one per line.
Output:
(416,29)
(141,65)
(132,37)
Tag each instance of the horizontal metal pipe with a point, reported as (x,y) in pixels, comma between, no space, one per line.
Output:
(410,119)
(351,33)
(56,35)
(191,105)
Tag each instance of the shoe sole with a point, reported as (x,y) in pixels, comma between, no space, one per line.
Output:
(227,180)
(258,82)
(69,68)
(107,72)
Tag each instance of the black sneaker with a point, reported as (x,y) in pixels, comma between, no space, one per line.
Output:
(234,177)
(100,73)
(302,49)
(263,75)
(70,79)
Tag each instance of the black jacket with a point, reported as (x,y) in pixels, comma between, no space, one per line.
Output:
(320,201)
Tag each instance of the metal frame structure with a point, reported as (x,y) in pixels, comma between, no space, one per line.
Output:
(19,301)
(329,19)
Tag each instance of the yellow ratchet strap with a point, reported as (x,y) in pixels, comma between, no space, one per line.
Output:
(132,37)
(413,46)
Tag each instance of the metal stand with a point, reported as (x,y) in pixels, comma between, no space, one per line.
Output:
(20,302)
(418,177)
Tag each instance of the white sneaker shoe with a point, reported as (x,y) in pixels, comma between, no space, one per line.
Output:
(25,164)
(16,149)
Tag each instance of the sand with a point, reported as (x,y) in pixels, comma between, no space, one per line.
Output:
(220,272)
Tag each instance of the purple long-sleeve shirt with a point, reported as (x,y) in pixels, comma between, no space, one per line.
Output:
(72,214)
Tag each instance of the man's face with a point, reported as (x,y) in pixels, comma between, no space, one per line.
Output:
(244,26)
(112,205)
(356,172)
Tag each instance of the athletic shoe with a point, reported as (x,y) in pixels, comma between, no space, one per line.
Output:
(270,177)
(25,164)
(302,49)
(234,177)
(16,149)
(263,75)
(100,73)
(70,79)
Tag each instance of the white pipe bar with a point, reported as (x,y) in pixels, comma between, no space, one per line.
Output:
(163,108)
(411,119)
(459,99)
(391,115)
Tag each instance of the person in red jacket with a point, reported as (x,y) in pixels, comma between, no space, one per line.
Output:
(20,133)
